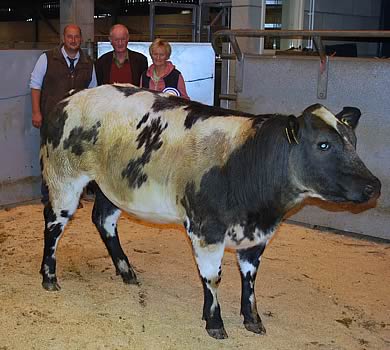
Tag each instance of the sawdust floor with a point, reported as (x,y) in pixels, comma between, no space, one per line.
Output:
(315,290)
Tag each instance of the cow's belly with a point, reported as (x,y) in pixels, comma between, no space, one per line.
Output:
(152,203)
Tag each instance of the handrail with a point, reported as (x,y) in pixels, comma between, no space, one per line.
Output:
(315,34)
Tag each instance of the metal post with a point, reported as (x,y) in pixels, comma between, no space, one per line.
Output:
(151,21)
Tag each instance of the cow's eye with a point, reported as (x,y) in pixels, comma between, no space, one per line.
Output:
(323,146)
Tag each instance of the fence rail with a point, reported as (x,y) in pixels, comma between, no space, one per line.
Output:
(317,35)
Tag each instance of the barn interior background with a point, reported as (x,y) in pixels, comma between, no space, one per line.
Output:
(274,75)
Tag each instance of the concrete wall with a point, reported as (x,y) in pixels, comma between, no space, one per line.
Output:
(19,141)
(289,84)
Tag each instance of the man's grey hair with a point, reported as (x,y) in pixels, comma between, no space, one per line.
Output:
(115,26)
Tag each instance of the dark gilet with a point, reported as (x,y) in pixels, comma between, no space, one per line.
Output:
(58,80)
(170,80)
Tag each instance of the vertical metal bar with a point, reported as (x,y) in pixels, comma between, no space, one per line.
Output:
(236,47)
(239,76)
(194,22)
(199,22)
(262,25)
(322,83)
(225,74)
(311,22)
(320,47)
(151,21)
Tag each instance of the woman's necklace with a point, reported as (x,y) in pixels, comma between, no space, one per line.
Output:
(155,77)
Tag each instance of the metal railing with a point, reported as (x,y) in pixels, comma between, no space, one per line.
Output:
(317,35)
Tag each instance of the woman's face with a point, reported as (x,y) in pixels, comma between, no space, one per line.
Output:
(159,56)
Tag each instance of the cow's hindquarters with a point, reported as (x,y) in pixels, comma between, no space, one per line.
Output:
(63,201)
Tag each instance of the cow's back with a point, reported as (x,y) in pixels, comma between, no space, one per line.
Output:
(139,149)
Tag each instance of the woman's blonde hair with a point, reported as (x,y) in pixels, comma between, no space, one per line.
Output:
(161,43)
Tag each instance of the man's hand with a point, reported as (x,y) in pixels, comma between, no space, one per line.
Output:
(36,110)
(37,119)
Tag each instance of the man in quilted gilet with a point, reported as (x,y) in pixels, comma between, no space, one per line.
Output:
(56,73)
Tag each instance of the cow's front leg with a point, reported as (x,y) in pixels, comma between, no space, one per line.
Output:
(209,259)
(105,216)
(249,261)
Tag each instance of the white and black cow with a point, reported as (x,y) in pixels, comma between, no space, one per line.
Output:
(229,177)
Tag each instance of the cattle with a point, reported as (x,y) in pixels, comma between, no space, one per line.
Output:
(228,177)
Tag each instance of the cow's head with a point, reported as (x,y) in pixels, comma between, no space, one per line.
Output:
(324,162)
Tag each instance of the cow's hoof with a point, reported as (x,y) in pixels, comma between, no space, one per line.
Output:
(255,327)
(219,333)
(51,286)
(128,275)
(130,280)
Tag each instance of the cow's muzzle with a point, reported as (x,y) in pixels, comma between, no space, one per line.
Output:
(372,190)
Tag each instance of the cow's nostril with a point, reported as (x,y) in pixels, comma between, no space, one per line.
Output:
(369,190)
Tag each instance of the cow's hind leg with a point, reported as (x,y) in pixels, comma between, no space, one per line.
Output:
(209,259)
(64,198)
(249,261)
(105,216)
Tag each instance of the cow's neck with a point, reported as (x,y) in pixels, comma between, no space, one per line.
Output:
(259,170)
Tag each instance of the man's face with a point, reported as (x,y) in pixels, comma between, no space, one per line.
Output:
(119,39)
(72,39)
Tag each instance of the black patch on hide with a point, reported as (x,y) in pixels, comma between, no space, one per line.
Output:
(150,139)
(53,125)
(78,137)
(127,90)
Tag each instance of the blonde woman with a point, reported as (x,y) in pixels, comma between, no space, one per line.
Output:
(162,74)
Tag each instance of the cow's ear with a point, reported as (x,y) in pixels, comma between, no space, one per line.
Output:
(292,129)
(312,114)
(349,116)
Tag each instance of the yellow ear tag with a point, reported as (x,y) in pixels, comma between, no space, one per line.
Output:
(292,134)
(288,136)
(345,122)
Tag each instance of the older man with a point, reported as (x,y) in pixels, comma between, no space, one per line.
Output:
(121,65)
